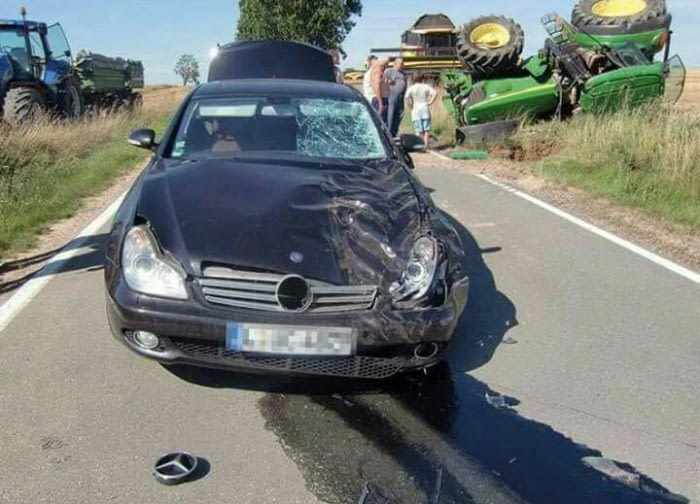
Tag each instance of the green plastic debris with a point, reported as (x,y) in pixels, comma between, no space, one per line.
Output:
(469,154)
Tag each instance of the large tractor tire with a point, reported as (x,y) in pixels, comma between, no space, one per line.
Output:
(72,104)
(23,104)
(490,45)
(620,17)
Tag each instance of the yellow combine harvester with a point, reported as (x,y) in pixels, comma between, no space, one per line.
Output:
(428,46)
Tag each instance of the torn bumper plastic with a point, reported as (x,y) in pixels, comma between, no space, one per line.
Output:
(193,332)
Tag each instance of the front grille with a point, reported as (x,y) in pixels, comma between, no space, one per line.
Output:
(346,367)
(258,291)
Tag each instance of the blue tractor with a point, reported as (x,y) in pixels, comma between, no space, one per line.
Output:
(37,72)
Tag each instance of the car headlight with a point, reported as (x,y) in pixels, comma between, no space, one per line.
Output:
(147,270)
(417,280)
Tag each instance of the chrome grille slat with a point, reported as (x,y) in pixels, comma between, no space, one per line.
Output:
(231,284)
(219,272)
(244,304)
(350,289)
(257,291)
(342,299)
(337,308)
(237,294)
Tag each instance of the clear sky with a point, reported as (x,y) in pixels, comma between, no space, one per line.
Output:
(159,31)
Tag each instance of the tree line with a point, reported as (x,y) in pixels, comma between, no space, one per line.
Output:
(323,23)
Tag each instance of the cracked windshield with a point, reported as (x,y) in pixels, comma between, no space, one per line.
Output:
(350,252)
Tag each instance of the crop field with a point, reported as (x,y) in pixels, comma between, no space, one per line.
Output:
(691,94)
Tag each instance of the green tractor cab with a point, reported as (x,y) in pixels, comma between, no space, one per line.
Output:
(576,71)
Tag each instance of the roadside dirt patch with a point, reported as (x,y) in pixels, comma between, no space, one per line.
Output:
(676,242)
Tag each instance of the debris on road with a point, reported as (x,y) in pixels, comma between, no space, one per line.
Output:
(469,154)
(175,468)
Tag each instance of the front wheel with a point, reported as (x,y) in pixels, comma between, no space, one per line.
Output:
(23,104)
(72,105)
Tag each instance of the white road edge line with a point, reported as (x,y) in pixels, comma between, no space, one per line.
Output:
(635,249)
(20,299)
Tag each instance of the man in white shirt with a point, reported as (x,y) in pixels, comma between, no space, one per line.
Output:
(420,97)
(367,79)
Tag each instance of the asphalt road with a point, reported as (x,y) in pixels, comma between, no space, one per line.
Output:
(571,347)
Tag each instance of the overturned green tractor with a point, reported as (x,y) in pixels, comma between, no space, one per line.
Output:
(603,60)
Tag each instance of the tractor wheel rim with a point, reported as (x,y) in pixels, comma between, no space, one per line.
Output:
(490,36)
(618,8)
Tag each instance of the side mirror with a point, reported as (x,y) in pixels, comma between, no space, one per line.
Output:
(67,53)
(411,143)
(143,138)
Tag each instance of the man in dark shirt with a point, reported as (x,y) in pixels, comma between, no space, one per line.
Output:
(396,78)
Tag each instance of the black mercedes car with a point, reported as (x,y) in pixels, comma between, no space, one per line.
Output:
(279,228)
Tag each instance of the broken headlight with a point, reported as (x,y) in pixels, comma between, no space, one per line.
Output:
(417,280)
(147,270)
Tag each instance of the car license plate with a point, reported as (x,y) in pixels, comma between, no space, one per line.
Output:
(289,340)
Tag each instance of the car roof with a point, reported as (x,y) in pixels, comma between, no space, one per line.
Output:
(276,87)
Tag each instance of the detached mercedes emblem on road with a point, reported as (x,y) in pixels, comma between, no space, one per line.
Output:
(175,468)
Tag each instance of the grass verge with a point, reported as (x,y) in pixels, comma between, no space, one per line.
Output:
(648,158)
(48,167)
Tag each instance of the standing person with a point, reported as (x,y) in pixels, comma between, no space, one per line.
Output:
(396,78)
(367,79)
(380,88)
(420,97)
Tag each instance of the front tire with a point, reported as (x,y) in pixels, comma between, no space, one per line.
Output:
(490,45)
(22,105)
(72,106)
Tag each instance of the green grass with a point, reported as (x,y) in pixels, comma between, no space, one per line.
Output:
(48,168)
(647,158)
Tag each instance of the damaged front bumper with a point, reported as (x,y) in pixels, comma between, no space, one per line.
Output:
(193,332)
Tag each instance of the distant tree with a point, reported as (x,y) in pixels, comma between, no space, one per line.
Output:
(324,23)
(187,69)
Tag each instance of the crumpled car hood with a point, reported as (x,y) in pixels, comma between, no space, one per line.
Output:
(352,225)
